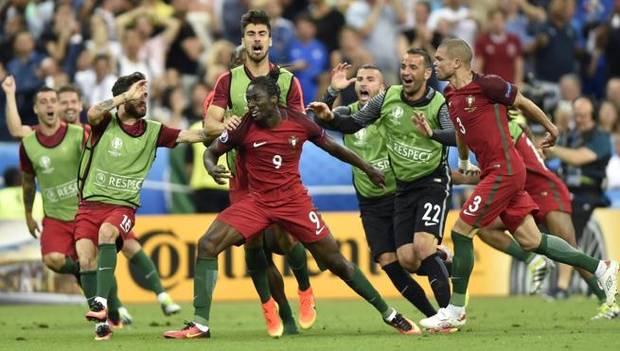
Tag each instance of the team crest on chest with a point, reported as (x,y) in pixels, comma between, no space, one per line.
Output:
(293,141)
(470,100)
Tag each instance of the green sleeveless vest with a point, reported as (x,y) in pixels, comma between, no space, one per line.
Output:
(515,130)
(412,155)
(112,171)
(56,171)
(370,146)
(239,82)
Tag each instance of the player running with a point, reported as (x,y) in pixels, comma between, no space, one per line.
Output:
(229,94)
(478,110)
(419,165)
(69,108)
(269,141)
(117,157)
(376,203)
(553,199)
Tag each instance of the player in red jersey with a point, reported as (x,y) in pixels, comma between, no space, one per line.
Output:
(269,141)
(477,106)
(228,98)
(553,199)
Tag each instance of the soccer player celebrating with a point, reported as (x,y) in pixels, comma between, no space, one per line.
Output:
(229,93)
(117,157)
(376,203)
(478,110)
(269,141)
(553,199)
(49,155)
(419,165)
(70,107)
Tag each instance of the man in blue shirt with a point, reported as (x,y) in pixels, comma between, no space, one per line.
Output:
(308,56)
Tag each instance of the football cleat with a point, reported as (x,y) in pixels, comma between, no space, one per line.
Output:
(97,312)
(103,332)
(607,312)
(609,282)
(126,318)
(275,328)
(307,309)
(189,331)
(402,324)
(539,269)
(444,320)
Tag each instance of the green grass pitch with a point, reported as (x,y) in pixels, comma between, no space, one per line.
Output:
(514,323)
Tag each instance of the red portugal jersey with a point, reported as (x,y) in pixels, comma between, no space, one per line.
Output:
(271,155)
(478,112)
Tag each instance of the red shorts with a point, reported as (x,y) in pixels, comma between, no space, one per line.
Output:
(549,193)
(249,216)
(498,195)
(91,216)
(57,236)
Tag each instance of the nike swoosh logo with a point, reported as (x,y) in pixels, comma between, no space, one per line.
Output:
(193,335)
(318,231)
(428,224)
(105,268)
(468,213)
(259,144)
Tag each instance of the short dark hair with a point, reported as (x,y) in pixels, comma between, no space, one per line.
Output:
(255,17)
(268,84)
(123,83)
(12,177)
(42,90)
(70,89)
(418,51)
(368,66)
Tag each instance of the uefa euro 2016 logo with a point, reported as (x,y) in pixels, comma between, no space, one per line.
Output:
(46,163)
(397,113)
(115,147)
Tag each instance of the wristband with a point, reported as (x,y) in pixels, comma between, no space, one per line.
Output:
(331,91)
(463,164)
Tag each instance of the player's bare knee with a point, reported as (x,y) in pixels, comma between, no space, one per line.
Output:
(131,247)
(107,234)
(207,246)
(424,249)
(386,258)
(528,242)
(409,262)
(54,261)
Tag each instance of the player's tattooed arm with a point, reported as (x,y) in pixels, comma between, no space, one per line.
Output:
(29,191)
(210,157)
(345,155)
(191,136)
(13,120)
(97,112)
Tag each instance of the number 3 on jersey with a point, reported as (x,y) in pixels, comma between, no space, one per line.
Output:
(277,161)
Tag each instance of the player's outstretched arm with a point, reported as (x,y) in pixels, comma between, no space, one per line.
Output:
(29,191)
(345,155)
(210,157)
(191,136)
(533,112)
(98,111)
(13,120)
